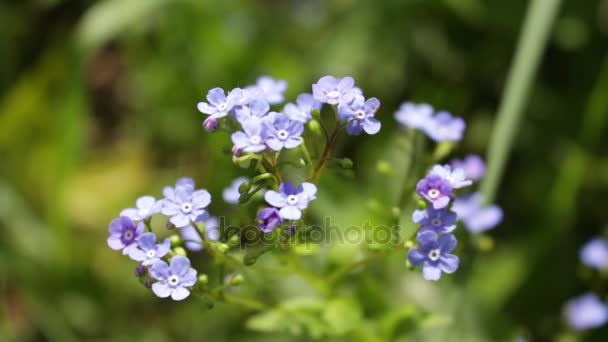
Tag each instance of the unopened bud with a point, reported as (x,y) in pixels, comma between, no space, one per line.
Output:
(176,240)
(234,239)
(210,124)
(408,244)
(148,283)
(223,248)
(180,251)
(237,279)
(314,126)
(250,259)
(203,279)
(236,151)
(244,187)
(346,163)
(140,270)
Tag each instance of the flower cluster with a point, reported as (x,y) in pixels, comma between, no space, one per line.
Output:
(437,222)
(440,126)
(588,311)
(162,267)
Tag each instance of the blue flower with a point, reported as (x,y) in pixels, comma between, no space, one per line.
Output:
(435,189)
(434,254)
(284,133)
(146,207)
(595,253)
(252,138)
(437,220)
(219,104)
(192,238)
(302,110)
(333,90)
(359,114)
(272,90)
(173,279)
(586,312)
(414,115)
(475,217)
(269,219)
(148,251)
(445,127)
(473,165)
(456,177)
(291,200)
(256,109)
(184,204)
(124,234)
(231,193)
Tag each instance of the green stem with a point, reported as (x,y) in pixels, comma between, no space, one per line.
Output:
(246,302)
(306,154)
(329,145)
(299,269)
(532,41)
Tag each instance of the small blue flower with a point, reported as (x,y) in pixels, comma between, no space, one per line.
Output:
(272,90)
(219,104)
(184,204)
(333,90)
(146,207)
(231,193)
(124,234)
(252,138)
(148,251)
(284,133)
(434,254)
(595,253)
(256,109)
(414,115)
(359,114)
(437,220)
(269,219)
(192,238)
(173,279)
(435,189)
(456,177)
(586,312)
(302,110)
(291,200)
(475,217)
(445,127)
(473,165)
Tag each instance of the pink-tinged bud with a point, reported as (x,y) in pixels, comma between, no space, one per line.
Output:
(210,124)
(236,151)
(140,270)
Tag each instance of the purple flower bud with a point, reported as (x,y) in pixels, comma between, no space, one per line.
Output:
(140,270)
(270,219)
(148,283)
(236,151)
(210,124)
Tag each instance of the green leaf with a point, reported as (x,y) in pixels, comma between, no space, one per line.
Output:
(342,315)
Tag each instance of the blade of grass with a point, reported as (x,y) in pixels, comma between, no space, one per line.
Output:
(537,26)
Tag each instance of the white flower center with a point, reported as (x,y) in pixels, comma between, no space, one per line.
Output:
(436,222)
(128,235)
(151,254)
(173,280)
(256,139)
(187,207)
(360,114)
(222,106)
(433,193)
(434,255)
(444,130)
(283,134)
(292,199)
(334,94)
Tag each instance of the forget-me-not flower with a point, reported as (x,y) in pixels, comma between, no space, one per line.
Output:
(333,90)
(219,104)
(414,115)
(192,237)
(456,176)
(146,206)
(437,220)
(269,219)
(302,110)
(434,254)
(252,138)
(124,234)
(473,165)
(445,127)
(184,204)
(359,113)
(586,312)
(272,90)
(173,279)
(595,253)
(291,200)
(284,133)
(474,215)
(435,189)
(256,109)
(148,251)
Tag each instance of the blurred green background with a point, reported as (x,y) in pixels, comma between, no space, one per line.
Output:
(98,106)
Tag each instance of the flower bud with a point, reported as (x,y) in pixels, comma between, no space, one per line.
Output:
(234,239)
(244,187)
(346,163)
(176,240)
(203,279)
(237,279)
(140,270)
(210,124)
(180,251)
(148,283)
(223,248)
(314,126)
(408,244)
(236,151)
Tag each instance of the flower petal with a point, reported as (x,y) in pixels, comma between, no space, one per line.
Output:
(275,199)
(179,265)
(161,289)
(180,293)
(290,213)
